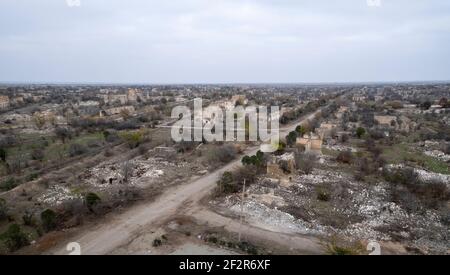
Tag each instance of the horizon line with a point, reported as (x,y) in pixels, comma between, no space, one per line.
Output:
(79,83)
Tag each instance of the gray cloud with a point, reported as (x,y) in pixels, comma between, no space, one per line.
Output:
(185,41)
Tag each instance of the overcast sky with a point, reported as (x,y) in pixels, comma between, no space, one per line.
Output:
(224,41)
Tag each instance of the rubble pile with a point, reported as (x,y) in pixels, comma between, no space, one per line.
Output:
(57,194)
(136,172)
(366,209)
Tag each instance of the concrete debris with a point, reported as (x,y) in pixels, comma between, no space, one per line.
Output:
(56,195)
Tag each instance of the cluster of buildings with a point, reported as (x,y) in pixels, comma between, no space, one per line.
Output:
(132,96)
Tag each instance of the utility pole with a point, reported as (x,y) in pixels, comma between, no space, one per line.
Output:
(242,212)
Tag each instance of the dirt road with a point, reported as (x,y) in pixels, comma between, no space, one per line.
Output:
(103,239)
(301,244)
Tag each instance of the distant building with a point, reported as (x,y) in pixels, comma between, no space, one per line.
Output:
(435,107)
(385,120)
(409,106)
(342,110)
(359,98)
(4,102)
(312,143)
(279,165)
(89,103)
(132,95)
(113,98)
(378,98)
(117,111)
(239,100)
(325,129)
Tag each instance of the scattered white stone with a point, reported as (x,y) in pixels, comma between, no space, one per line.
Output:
(57,195)
(438,154)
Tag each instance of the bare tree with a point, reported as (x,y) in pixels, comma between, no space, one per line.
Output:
(305,162)
(127,171)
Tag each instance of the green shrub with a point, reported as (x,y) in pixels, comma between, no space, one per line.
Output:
(257,160)
(49,220)
(212,239)
(226,183)
(14,238)
(291,139)
(401,176)
(3,209)
(360,132)
(28,218)
(248,248)
(133,139)
(92,200)
(8,184)
(38,154)
(222,154)
(301,130)
(305,162)
(157,242)
(335,248)
(32,176)
(322,195)
(76,149)
(3,154)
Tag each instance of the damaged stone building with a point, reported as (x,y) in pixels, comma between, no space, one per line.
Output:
(279,166)
(311,142)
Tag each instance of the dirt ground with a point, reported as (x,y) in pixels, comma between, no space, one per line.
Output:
(117,230)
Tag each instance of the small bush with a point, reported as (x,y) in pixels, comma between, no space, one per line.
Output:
(334,249)
(3,154)
(28,218)
(345,157)
(257,160)
(322,194)
(8,184)
(77,149)
(133,139)
(185,146)
(305,162)
(49,220)
(226,184)
(14,238)
(291,139)
(157,242)
(38,154)
(222,154)
(111,136)
(3,209)
(247,173)
(401,176)
(63,134)
(232,182)
(360,132)
(407,190)
(248,248)
(32,177)
(92,200)
(212,239)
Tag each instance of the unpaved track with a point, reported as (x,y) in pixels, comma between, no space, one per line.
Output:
(301,244)
(103,239)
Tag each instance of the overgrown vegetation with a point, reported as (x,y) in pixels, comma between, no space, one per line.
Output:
(411,193)
(14,238)
(92,200)
(232,182)
(49,220)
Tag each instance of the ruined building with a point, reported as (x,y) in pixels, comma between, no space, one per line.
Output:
(278,166)
(311,142)
(4,102)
